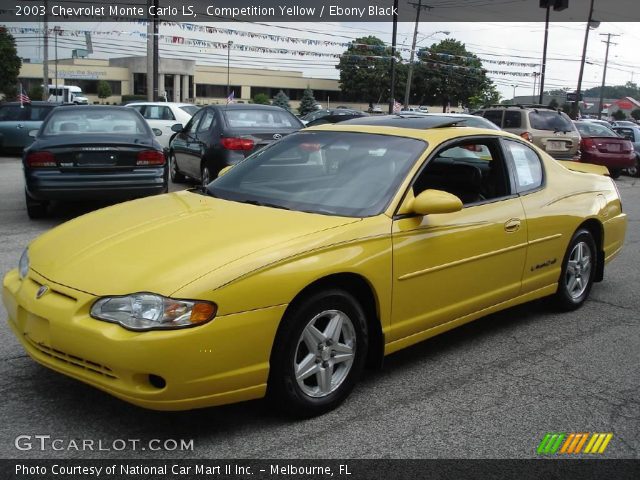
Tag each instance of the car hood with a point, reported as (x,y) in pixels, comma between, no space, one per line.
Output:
(159,244)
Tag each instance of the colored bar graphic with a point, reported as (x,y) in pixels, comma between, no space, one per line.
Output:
(572,443)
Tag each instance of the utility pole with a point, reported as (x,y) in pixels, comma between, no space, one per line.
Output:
(150,40)
(156,54)
(535,82)
(576,106)
(604,72)
(407,89)
(229,43)
(45,58)
(56,31)
(392,90)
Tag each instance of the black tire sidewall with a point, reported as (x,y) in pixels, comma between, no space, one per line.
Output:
(283,387)
(563,299)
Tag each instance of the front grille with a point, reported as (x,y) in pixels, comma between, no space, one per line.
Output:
(72,360)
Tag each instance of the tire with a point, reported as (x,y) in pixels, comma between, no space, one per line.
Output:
(174,173)
(614,172)
(578,271)
(205,176)
(633,171)
(35,209)
(305,344)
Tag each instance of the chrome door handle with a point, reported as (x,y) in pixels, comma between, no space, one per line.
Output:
(512,225)
(19,125)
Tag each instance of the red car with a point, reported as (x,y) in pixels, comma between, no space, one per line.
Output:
(602,146)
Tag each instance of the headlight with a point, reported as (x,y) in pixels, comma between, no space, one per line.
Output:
(23,264)
(148,311)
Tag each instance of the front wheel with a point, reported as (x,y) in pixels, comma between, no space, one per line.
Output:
(578,271)
(176,175)
(319,353)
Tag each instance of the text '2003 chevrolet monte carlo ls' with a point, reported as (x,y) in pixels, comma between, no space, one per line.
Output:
(314,257)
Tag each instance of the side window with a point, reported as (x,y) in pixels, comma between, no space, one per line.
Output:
(190,127)
(626,133)
(207,121)
(526,165)
(139,108)
(494,116)
(512,119)
(472,170)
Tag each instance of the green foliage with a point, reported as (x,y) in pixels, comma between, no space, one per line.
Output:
(566,108)
(307,103)
(629,89)
(490,96)
(36,92)
(619,115)
(10,64)
(104,89)
(132,98)
(365,71)
(636,114)
(261,99)
(281,100)
(438,81)
(553,103)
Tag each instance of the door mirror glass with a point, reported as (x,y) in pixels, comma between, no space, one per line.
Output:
(432,202)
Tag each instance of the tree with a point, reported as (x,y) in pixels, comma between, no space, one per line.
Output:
(365,69)
(104,90)
(281,100)
(629,89)
(636,114)
(10,64)
(307,103)
(566,108)
(554,103)
(490,96)
(448,74)
(261,99)
(619,115)
(36,92)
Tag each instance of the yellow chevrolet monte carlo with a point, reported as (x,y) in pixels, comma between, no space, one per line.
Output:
(312,258)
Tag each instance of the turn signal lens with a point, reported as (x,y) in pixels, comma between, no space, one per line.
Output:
(201,312)
(237,143)
(40,160)
(527,136)
(150,157)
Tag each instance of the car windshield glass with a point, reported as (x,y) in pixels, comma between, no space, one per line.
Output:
(588,129)
(190,109)
(347,174)
(247,118)
(550,120)
(94,120)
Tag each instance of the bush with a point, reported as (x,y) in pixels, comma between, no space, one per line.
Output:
(636,114)
(619,115)
(281,100)
(307,103)
(133,98)
(36,92)
(261,99)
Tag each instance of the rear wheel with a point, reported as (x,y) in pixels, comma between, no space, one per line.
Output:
(633,171)
(614,172)
(578,271)
(205,176)
(319,353)
(176,176)
(35,209)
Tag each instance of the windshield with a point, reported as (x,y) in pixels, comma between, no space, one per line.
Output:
(95,120)
(190,109)
(588,129)
(335,173)
(550,120)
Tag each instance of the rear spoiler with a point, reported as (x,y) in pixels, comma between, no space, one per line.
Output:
(584,167)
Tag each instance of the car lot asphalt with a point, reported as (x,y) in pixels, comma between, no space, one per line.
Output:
(490,389)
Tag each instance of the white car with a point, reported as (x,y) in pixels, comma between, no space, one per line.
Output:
(163,115)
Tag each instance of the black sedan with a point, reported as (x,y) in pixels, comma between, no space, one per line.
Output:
(336,115)
(221,135)
(101,152)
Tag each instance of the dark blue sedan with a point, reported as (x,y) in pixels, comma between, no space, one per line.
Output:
(99,152)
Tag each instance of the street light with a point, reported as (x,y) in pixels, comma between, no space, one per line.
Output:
(558,5)
(229,43)
(514,92)
(56,32)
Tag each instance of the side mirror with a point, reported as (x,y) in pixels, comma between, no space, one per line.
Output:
(432,202)
(157,132)
(177,127)
(224,170)
(33,133)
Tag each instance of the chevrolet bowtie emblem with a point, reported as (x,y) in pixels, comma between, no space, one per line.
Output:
(41,291)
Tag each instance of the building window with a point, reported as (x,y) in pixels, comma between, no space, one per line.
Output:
(91,86)
(216,91)
(139,83)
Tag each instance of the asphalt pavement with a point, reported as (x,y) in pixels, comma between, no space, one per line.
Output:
(490,389)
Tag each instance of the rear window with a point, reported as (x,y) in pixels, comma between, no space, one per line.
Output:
(190,109)
(494,116)
(11,112)
(260,119)
(91,121)
(550,120)
(588,129)
(512,119)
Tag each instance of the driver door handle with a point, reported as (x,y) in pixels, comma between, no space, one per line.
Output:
(512,225)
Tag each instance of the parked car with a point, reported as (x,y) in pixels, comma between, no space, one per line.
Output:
(336,115)
(286,277)
(631,133)
(164,115)
(602,146)
(459,119)
(624,123)
(550,129)
(92,152)
(221,135)
(16,121)
(599,122)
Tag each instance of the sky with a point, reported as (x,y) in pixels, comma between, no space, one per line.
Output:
(516,42)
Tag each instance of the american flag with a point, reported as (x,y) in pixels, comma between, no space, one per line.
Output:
(231,97)
(22,96)
(397,106)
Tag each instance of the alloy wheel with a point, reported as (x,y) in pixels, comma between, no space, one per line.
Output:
(578,272)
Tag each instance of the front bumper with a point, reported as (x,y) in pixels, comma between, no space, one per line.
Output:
(223,361)
(53,184)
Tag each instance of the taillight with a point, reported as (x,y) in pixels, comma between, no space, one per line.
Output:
(588,142)
(628,147)
(150,157)
(527,136)
(236,143)
(40,160)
